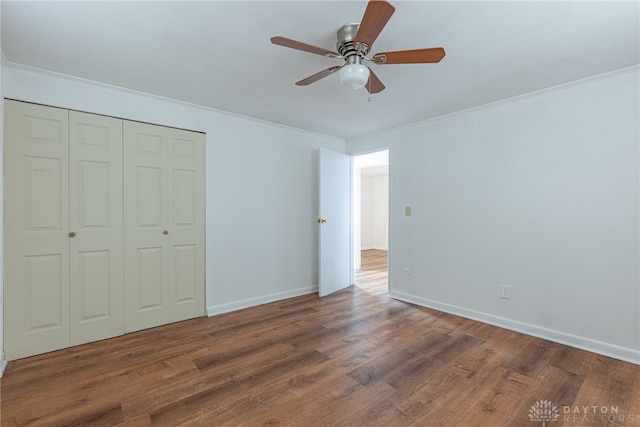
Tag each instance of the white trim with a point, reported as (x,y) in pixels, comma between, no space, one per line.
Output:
(95,83)
(264,299)
(3,364)
(583,343)
(503,101)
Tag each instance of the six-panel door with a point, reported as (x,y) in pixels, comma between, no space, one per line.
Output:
(164,239)
(95,219)
(186,224)
(36,293)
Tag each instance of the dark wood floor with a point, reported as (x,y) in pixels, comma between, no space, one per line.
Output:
(354,358)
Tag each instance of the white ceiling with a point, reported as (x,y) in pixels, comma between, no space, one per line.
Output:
(217,53)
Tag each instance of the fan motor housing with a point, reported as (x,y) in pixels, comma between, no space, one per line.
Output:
(346,45)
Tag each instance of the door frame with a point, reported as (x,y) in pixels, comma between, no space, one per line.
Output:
(356,185)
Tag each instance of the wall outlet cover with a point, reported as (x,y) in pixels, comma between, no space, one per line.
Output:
(505,291)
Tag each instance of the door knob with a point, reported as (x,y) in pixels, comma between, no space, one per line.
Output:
(321,220)
(72,234)
(165,232)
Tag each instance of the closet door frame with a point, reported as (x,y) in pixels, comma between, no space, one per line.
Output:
(104,227)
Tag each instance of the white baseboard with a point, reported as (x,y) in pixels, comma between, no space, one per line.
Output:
(264,299)
(3,364)
(583,343)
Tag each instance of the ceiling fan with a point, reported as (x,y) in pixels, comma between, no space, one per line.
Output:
(353,45)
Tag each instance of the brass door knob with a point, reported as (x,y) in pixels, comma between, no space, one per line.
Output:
(165,232)
(72,234)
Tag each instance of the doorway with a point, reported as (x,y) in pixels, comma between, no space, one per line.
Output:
(371,221)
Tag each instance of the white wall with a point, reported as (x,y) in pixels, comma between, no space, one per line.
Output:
(356,216)
(540,193)
(381,212)
(367,211)
(262,198)
(375,212)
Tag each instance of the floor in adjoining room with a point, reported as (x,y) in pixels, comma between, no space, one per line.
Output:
(373,274)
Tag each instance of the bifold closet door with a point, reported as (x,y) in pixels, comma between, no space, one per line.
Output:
(63,228)
(164,225)
(36,264)
(186,170)
(96,224)
(104,227)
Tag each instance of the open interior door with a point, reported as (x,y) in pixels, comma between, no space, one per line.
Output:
(334,221)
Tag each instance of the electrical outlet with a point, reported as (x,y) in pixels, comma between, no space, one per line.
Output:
(505,291)
(407,211)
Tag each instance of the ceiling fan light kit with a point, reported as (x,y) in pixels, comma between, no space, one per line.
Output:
(353,45)
(354,76)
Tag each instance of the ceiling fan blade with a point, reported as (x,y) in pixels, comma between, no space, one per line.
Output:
(293,44)
(376,16)
(374,85)
(414,56)
(317,76)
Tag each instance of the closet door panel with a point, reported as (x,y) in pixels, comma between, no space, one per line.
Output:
(186,166)
(44,293)
(94,289)
(145,198)
(43,182)
(96,211)
(149,280)
(185,263)
(150,200)
(36,264)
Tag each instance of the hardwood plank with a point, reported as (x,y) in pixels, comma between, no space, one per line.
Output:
(222,400)
(372,371)
(491,401)
(532,355)
(633,410)
(609,385)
